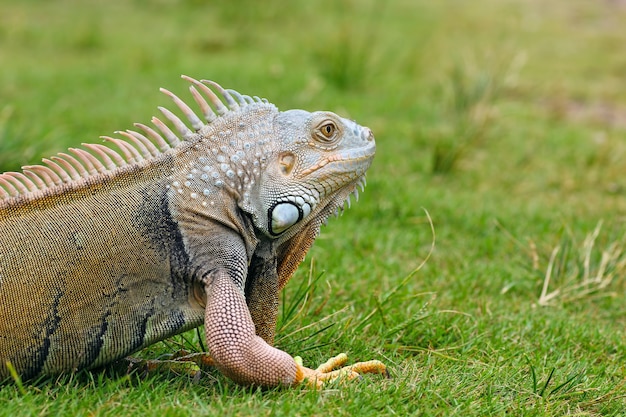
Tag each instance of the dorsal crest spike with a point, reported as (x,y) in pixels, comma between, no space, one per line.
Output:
(195,121)
(217,103)
(38,180)
(158,139)
(230,101)
(21,182)
(47,175)
(136,136)
(167,132)
(241,99)
(7,186)
(78,164)
(128,156)
(62,173)
(138,144)
(182,129)
(67,166)
(207,112)
(102,152)
(87,160)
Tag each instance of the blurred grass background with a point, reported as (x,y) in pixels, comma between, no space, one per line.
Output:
(505,119)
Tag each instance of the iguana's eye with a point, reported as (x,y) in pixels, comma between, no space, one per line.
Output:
(328,130)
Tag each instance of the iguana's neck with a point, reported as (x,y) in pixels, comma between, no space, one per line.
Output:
(223,158)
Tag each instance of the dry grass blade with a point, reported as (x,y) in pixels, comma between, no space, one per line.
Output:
(585,273)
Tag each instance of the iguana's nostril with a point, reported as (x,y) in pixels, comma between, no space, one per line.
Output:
(369,135)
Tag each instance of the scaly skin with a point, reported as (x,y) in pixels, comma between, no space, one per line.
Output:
(114,248)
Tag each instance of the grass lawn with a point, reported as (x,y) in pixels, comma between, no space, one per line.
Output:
(504,120)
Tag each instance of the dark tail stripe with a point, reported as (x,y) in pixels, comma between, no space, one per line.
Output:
(35,365)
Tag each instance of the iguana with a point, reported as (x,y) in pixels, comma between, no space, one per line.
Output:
(107,249)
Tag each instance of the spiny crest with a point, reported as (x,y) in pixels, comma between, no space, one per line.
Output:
(134,147)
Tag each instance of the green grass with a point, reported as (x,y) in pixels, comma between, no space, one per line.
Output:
(505,120)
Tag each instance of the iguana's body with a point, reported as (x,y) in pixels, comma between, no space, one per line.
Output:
(106,252)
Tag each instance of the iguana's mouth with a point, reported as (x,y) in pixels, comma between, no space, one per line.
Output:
(351,161)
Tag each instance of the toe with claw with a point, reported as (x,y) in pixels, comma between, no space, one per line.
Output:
(334,370)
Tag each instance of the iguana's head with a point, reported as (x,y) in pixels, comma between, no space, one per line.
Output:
(285,169)
(319,160)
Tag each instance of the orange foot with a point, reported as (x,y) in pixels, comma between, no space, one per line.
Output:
(333,370)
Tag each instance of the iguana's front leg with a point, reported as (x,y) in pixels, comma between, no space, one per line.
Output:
(231,339)
(245,357)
